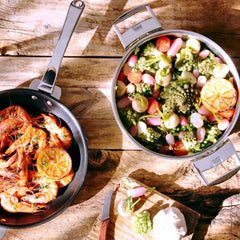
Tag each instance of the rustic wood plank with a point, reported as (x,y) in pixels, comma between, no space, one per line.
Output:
(32,27)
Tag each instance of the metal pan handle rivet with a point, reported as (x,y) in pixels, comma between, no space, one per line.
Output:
(34,97)
(49,103)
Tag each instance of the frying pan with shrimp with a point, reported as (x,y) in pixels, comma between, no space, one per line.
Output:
(43,97)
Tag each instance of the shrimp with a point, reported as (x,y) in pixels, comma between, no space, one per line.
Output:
(29,140)
(11,201)
(66,180)
(15,112)
(9,162)
(51,124)
(47,191)
(6,126)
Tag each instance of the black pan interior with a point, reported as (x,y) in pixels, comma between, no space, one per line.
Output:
(36,102)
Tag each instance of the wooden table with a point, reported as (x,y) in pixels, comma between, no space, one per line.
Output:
(28,34)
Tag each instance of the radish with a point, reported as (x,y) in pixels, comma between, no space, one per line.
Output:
(124,102)
(204,53)
(121,209)
(170,139)
(121,88)
(172,121)
(201,81)
(194,44)
(154,121)
(175,47)
(156,92)
(204,111)
(140,103)
(196,73)
(201,132)
(134,130)
(223,124)
(196,120)
(126,69)
(147,78)
(132,60)
(183,121)
(130,88)
(180,135)
(141,127)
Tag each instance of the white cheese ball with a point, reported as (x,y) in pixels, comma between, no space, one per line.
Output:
(170,224)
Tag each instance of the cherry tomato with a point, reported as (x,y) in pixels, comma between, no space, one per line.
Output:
(163,44)
(227,114)
(153,106)
(179,149)
(134,76)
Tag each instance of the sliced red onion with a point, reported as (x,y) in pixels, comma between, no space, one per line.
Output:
(170,139)
(123,102)
(201,132)
(132,60)
(211,118)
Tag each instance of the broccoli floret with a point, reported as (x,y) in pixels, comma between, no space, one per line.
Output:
(144,89)
(151,51)
(207,65)
(179,98)
(151,60)
(128,116)
(185,60)
(142,65)
(213,134)
(150,135)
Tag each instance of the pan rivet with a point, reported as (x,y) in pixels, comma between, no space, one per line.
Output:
(49,103)
(34,97)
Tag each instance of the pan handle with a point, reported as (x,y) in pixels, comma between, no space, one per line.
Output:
(48,81)
(214,159)
(2,232)
(143,28)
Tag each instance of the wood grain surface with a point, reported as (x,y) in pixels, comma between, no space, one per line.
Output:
(121,227)
(29,31)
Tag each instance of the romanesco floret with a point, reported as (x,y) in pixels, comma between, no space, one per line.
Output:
(128,116)
(185,60)
(189,140)
(144,89)
(150,135)
(142,223)
(213,134)
(179,98)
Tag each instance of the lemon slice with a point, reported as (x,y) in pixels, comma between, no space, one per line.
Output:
(218,95)
(54,163)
